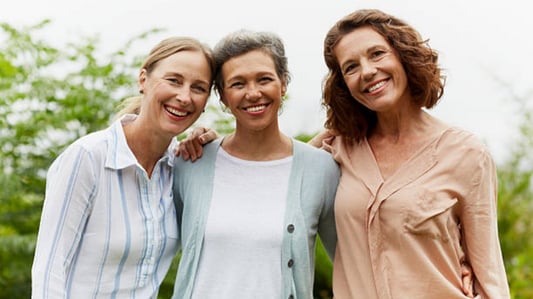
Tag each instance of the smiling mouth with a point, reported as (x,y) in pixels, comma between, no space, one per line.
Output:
(256,108)
(376,86)
(176,112)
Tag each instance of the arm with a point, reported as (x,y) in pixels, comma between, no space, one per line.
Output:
(70,187)
(480,230)
(326,227)
(192,146)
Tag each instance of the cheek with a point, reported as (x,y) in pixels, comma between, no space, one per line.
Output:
(160,91)
(231,99)
(353,86)
(200,102)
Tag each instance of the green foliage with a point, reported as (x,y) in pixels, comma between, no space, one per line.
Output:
(322,289)
(167,286)
(515,206)
(49,96)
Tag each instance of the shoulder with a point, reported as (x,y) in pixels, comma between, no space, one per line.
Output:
(208,157)
(314,158)
(458,139)
(309,152)
(464,149)
(92,143)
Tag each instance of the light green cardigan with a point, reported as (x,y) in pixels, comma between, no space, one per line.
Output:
(312,186)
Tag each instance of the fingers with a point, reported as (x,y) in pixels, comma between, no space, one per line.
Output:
(195,149)
(207,136)
(467,279)
(319,138)
(191,148)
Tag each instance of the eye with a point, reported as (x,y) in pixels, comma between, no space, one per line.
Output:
(377,53)
(349,68)
(199,88)
(236,84)
(266,79)
(173,80)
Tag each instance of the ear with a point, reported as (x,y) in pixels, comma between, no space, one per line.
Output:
(284,88)
(142,80)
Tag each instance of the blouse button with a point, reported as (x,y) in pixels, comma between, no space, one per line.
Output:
(290,228)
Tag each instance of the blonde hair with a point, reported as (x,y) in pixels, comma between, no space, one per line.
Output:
(162,50)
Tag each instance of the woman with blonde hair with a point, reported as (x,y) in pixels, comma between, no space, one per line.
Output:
(108,225)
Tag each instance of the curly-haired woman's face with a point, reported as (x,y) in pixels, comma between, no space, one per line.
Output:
(372,70)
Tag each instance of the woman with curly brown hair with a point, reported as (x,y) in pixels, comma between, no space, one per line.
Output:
(417,197)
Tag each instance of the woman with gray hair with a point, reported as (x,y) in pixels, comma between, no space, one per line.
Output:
(253,205)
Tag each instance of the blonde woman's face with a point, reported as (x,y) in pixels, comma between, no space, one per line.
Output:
(176,91)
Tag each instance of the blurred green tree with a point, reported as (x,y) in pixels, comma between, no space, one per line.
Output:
(49,96)
(515,207)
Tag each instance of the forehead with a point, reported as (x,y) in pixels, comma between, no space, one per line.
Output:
(249,62)
(186,62)
(359,40)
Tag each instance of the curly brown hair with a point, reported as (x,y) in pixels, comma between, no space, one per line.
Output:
(346,116)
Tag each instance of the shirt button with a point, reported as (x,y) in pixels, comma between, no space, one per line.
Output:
(290,263)
(291,296)
(290,228)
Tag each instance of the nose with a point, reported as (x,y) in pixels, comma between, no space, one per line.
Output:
(183,95)
(253,92)
(368,70)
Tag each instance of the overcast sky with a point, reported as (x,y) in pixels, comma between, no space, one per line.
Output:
(485,46)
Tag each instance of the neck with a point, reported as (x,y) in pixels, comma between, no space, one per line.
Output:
(409,124)
(146,145)
(261,145)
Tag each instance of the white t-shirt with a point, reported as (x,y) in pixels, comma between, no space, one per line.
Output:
(241,255)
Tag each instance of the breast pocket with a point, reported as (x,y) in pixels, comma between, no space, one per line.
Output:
(431,215)
(170,218)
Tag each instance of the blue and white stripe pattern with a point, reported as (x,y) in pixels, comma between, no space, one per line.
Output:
(107,230)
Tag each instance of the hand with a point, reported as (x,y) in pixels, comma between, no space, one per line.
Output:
(320,137)
(468,279)
(192,146)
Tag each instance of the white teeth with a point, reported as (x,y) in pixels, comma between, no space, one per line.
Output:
(372,88)
(256,108)
(176,112)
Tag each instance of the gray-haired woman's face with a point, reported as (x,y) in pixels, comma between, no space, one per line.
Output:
(253,91)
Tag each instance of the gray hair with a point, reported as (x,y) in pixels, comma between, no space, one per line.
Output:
(244,41)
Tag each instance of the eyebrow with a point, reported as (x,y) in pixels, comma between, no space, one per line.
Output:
(374,47)
(176,74)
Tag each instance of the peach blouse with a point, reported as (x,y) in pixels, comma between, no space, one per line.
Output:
(405,237)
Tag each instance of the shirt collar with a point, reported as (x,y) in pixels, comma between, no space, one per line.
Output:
(119,155)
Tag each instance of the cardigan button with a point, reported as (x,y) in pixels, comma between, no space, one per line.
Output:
(290,263)
(290,228)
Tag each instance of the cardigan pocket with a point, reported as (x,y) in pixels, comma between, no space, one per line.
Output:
(430,215)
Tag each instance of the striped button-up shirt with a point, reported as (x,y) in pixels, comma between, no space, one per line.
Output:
(107,230)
